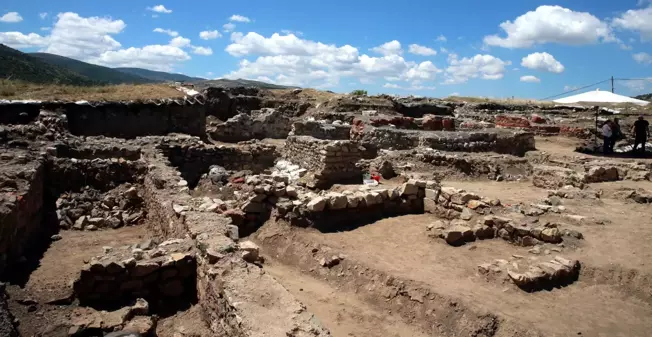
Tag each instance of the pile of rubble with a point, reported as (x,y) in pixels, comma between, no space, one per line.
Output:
(91,209)
(543,275)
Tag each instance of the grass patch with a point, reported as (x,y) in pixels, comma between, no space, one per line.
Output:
(19,90)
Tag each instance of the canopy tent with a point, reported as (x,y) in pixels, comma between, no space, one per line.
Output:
(598,96)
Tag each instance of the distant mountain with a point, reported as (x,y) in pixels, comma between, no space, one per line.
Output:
(645,97)
(17,65)
(159,76)
(226,83)
(102,74)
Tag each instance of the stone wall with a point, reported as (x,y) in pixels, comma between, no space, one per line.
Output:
(266,123)
(321,130)
(328,162)
(193,160)
(117,119)
(164,275)
(21,208)
(500,141)
(338,211)
(92,152)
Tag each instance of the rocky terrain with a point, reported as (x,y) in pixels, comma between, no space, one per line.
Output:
(249,212)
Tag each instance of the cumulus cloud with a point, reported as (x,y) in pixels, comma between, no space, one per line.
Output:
(543,62)
(441,38)
(551,24)
(156,57)
(202,50)
(83,38)
(159,9)
(239,18)
(530,79)
(421,50)
(638,20)
(229,27)
(11,17)
(643,58)
(209,35)
(389,48)
(20,40)
(413,87)
(43,15)
(486,67)
(170,32)
(180,42)
(91,39)
(288,59)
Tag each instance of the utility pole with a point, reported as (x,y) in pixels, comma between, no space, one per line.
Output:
(612,84)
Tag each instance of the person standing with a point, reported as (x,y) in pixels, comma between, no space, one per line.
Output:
(641,131)
(607,135)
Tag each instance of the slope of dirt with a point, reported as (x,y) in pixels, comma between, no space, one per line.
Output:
(339,309)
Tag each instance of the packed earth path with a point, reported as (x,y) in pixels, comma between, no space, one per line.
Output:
(249,212)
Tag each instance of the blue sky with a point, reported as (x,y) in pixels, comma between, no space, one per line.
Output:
(520,48)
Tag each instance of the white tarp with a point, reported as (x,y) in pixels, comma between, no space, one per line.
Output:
(599,96)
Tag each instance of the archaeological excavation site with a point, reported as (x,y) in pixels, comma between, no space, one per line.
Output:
(296,212)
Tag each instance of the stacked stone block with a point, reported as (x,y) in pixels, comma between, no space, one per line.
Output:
(329,162)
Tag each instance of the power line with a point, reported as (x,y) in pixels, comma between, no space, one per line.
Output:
(574,90)
(635,79)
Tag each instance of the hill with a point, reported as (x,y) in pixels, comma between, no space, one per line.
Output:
(17,65)
(102,74)
(645,97)
(222,82)
(159,76)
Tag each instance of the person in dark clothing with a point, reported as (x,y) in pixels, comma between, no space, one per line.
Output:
(641,130)
(607,135)
(616,134)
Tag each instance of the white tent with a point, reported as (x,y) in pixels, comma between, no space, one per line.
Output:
(600,97)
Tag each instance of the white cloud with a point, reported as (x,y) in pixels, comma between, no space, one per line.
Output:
(454,94)
(542,61)
(443,50)
(202,50)
(229,27)
(156,57)
(83,38)
(43,15)
(295,32)
(421,50)
(45,29)
(530,79)
(159,9)
(20,40)
(239,18)
(389,48)
(180,42)
(643,58)
(170,32)
(486,67)
(638,20)
(551,24)
(638,86)
(413,87)
(287,59)
(91,39)
(570,87)
(441,38)
(209,35)
(11,17)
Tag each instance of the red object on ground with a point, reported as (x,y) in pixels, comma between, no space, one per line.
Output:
(448,124)
(375,177)
(538,119)
(239,180)
(512,122)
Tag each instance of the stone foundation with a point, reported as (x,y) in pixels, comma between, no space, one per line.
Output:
(164,275)
(329,162)
(321,130)
(266,123)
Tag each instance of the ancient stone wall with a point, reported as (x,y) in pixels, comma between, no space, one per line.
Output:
(116,119)
(91,151)
(266,123)
(329,162)
(21,208)
(72,174)
(338,211)
(165,275)
(193,160)
(321,130)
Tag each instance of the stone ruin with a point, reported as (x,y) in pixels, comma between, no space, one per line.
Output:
(202,176)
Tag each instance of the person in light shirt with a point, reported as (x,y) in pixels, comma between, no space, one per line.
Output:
(607,135)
